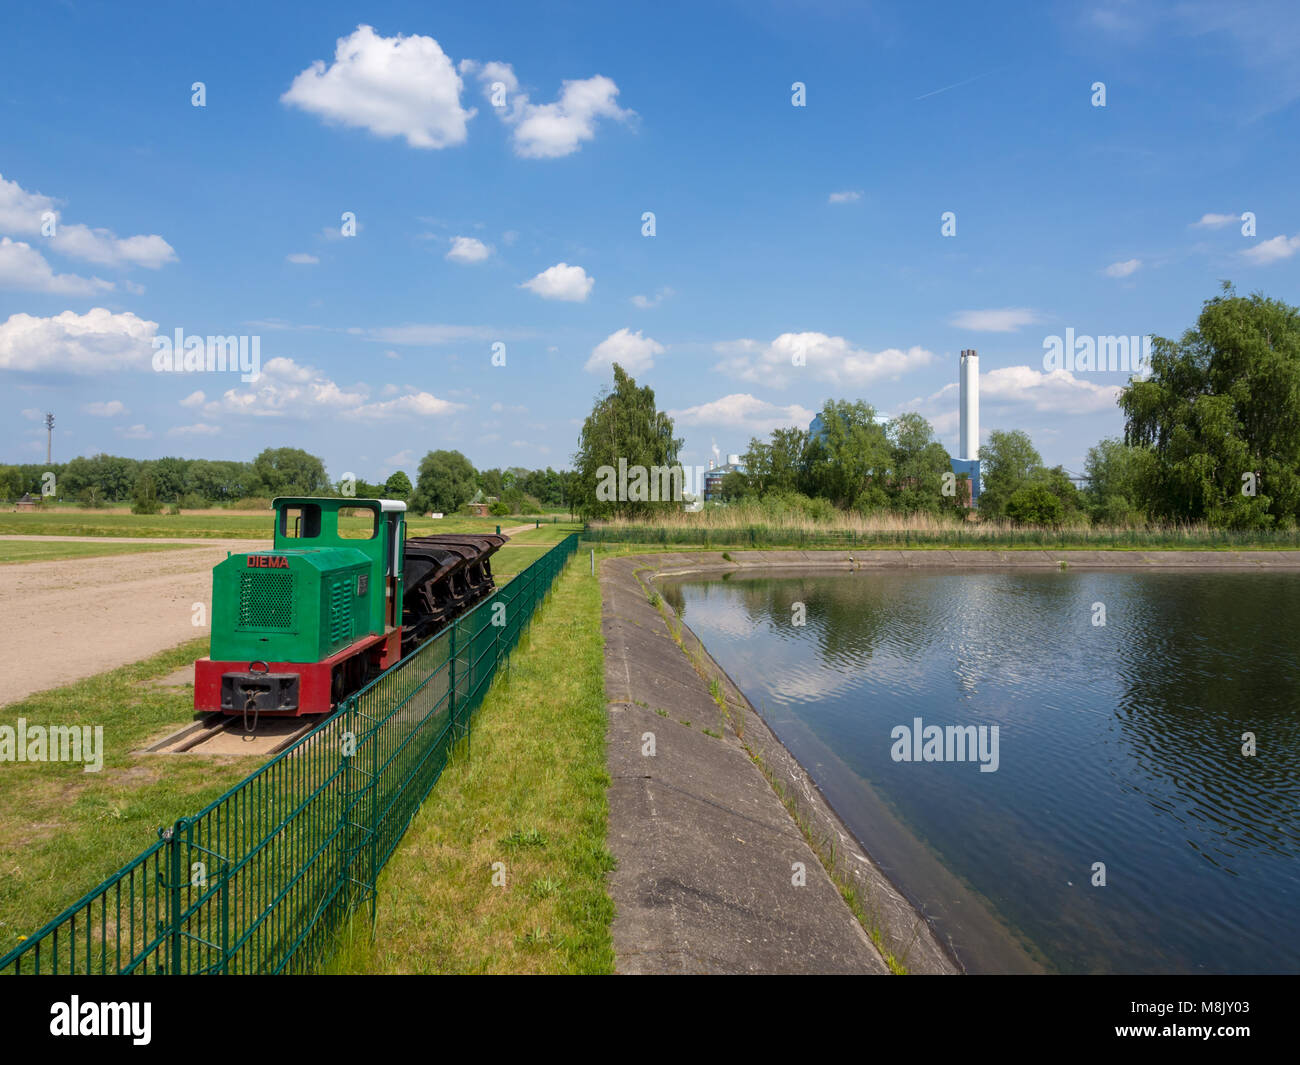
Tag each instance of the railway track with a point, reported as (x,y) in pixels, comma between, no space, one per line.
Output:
(219,734)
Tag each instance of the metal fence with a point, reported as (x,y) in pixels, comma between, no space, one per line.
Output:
(262,879)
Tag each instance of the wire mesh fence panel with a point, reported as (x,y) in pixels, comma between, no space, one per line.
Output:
(263,878)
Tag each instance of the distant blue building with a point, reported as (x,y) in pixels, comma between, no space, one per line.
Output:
(970,467)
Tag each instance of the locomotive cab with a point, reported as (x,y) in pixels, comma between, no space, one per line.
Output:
(297,627)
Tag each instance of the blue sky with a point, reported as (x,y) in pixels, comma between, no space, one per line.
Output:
(780,231)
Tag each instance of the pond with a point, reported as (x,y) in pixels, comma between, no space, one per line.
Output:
(1105,812)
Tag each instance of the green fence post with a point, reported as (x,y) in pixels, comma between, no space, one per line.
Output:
(451,680)
(372,874)
(174,893)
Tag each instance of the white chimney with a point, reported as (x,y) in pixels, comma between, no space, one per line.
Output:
(969,436)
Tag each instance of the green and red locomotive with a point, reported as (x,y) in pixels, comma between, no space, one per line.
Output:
(339,597)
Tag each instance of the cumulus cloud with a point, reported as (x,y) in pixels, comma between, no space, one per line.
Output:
(302,258)
(95,342)
(847,196)
(290,389)
(999,320)
(1057,391)
(632,351)
(423,404)
(1214,221)
(393,86)
(25,213)
(745,412)
(134,432)
(194,399)
(824,358)
(110,409)
(23,267)
(467,250)
(561,282)
(1273,250)
(549,131)
(1124,269)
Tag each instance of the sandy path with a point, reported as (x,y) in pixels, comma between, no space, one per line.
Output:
(67,619)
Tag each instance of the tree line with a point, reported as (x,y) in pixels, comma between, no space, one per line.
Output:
(446,481)
(1211,435)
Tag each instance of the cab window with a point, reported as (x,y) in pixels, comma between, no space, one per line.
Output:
(300,523)
(357,523)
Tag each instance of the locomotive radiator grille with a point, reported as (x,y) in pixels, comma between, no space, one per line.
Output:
(341,610)
(266,600)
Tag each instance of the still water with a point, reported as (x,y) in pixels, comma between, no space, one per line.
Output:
(1118,743)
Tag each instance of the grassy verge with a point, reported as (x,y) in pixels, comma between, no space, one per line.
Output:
(211,524)
(741,528)
(53,550)
(530,794)
(63,830)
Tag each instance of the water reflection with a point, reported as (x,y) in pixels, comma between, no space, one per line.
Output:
(1120,743)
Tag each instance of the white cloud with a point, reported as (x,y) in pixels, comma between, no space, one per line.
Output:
(198,429)
(467,250)
(302,258)
(393,86)
(23,212)
(23,267)
(1057,391)
(194,399)
(746,412)
(1124,269)
(1274,250)
(110,409)
(648,302)
(422,404)
(288,388)
(101,246)
(561,282)
(135,432)
(822,357)
(1214,221)
(549,131)
(1001,320)
(632,351)
(95,342)
(847,196)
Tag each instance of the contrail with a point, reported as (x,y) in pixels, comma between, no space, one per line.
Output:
(960,83)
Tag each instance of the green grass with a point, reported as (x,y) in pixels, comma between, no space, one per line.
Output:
(62,830)
(530,793)
(52,550)
(216,524)
(731,529)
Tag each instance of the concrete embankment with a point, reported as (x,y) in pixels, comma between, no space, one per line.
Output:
(715,874)
(703,827)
